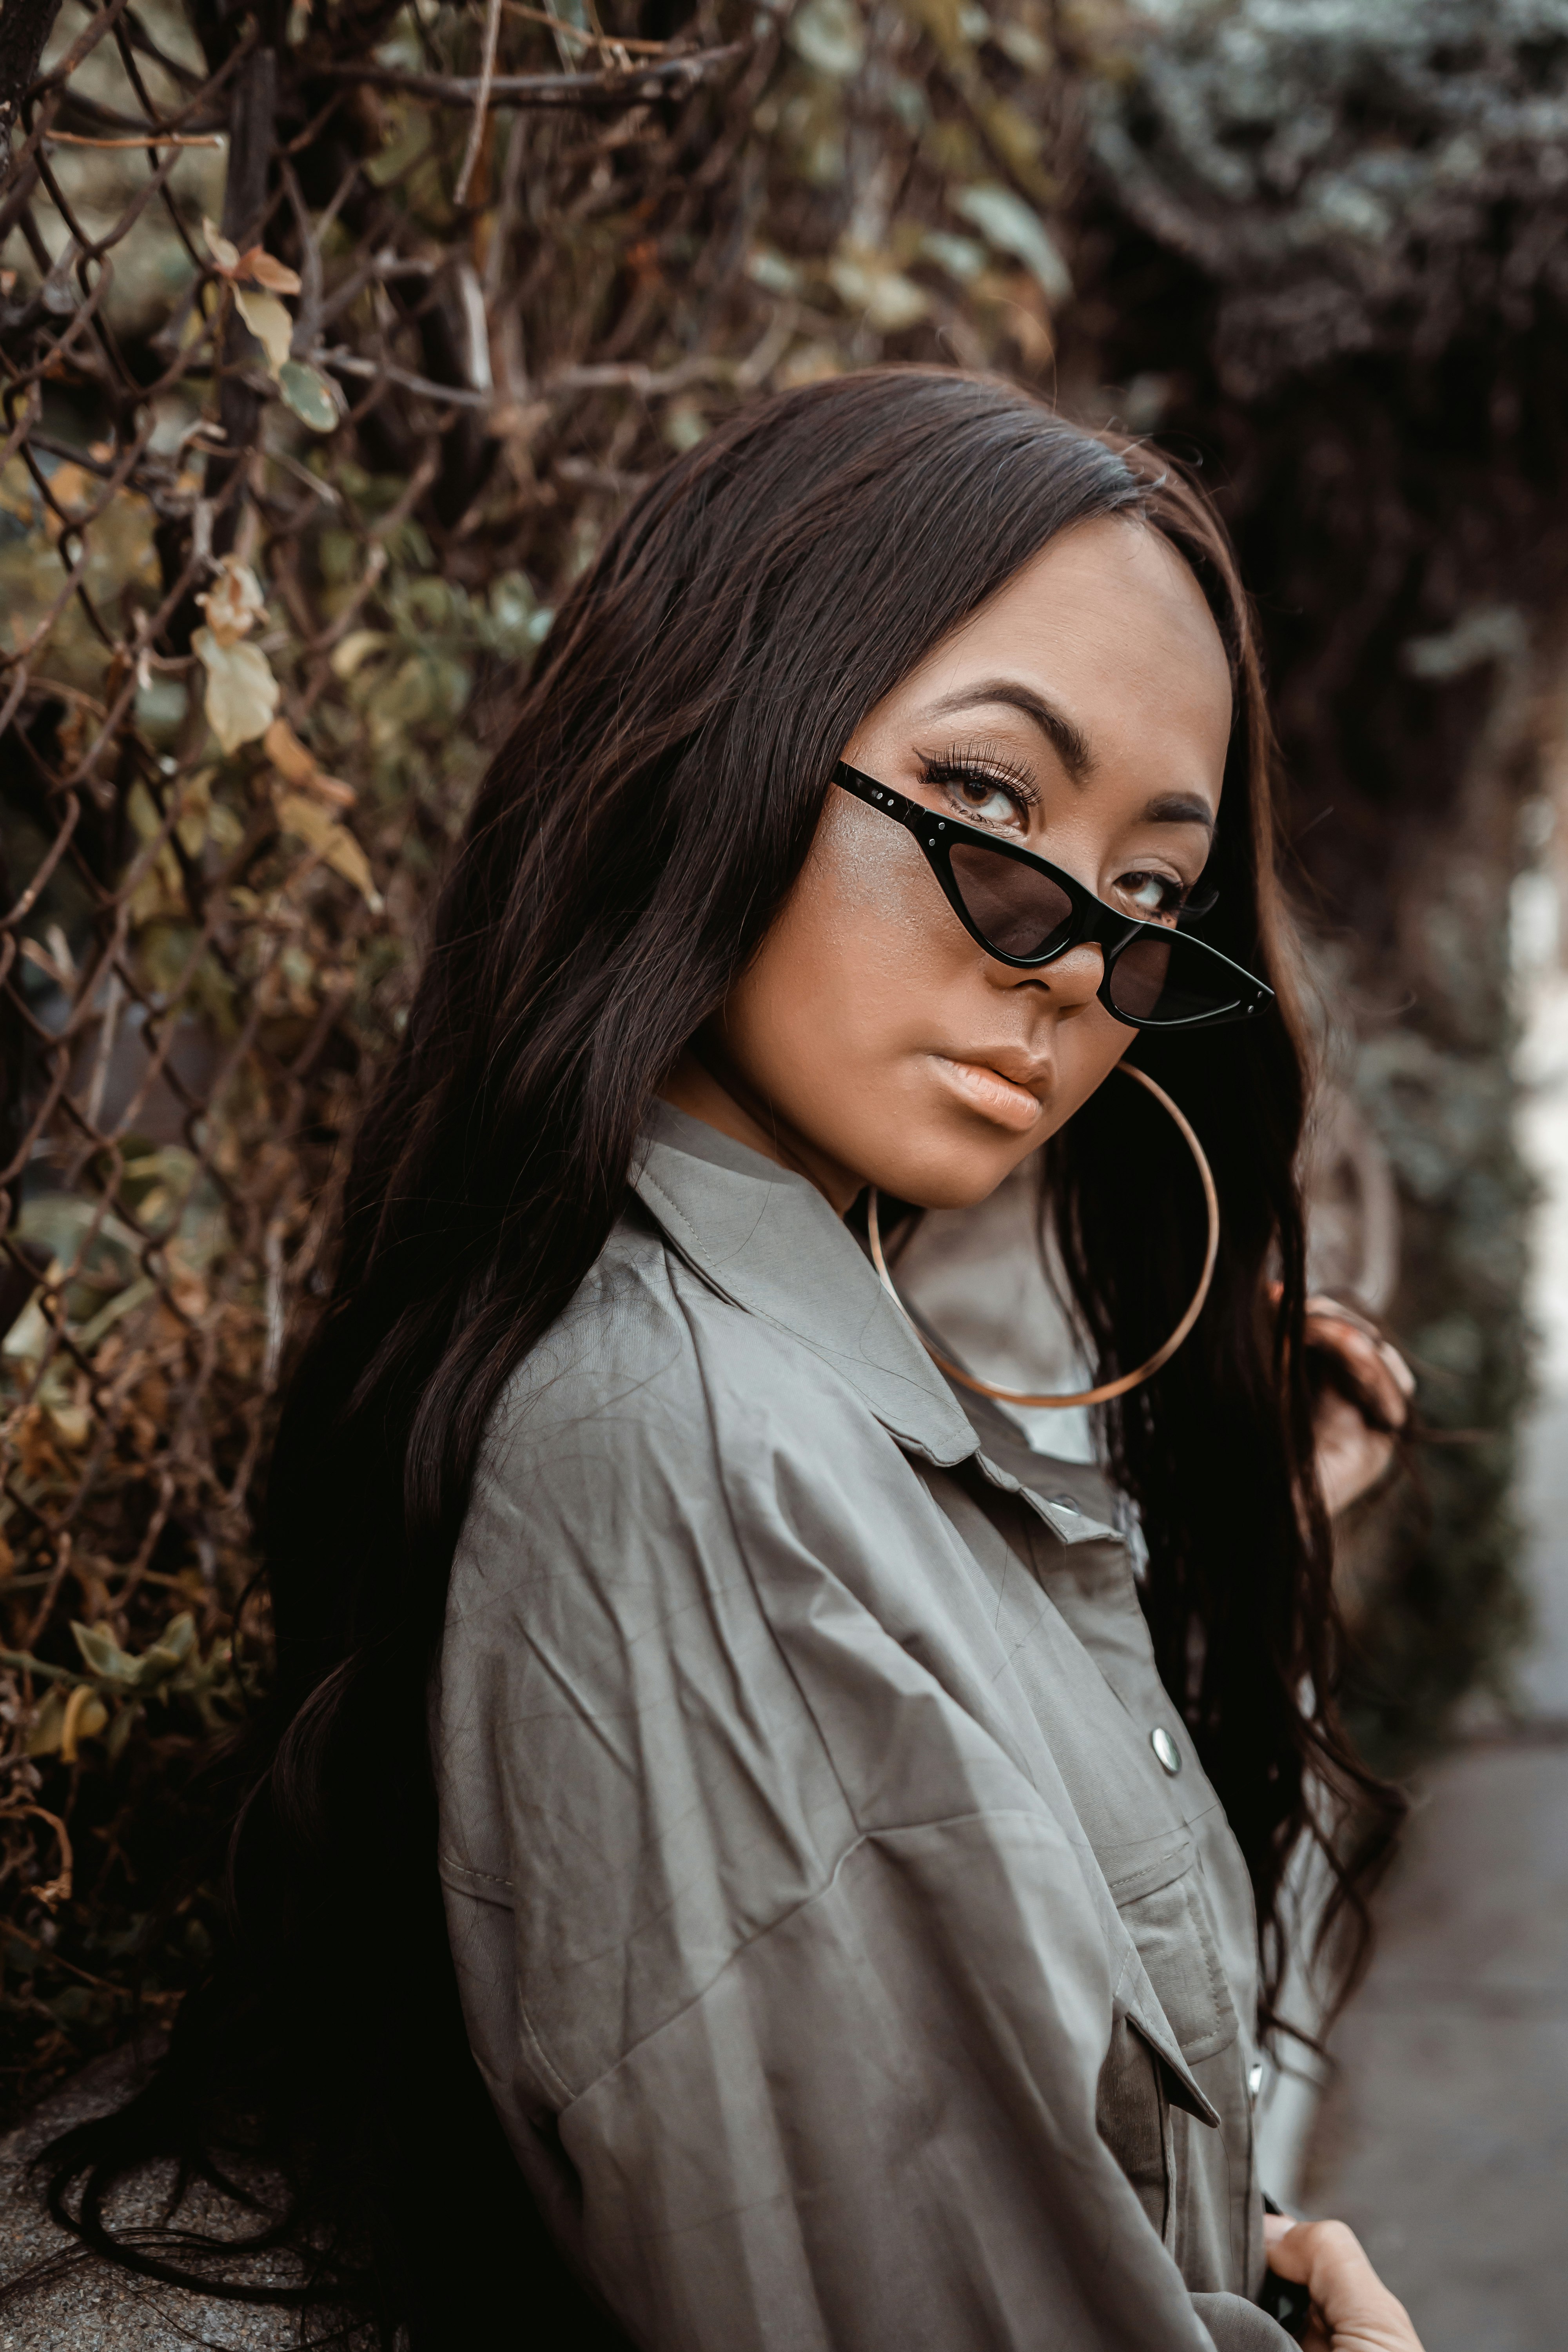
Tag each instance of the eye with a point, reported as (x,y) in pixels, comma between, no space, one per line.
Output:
(981,791)
(1158,897)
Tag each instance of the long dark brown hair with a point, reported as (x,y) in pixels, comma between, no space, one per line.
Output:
(627,854)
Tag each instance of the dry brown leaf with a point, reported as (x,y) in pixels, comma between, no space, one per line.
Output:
(269,323)
(293,762)
(242,693)
(297,765)
(308,820)
(85,1717)
(227,256)
(236,604)
(262,269)
(35,1454)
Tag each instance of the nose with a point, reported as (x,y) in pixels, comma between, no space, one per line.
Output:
(1072,981)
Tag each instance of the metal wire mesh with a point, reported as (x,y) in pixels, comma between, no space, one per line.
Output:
(328,343)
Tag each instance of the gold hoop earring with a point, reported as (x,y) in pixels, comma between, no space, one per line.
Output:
(1162,1355)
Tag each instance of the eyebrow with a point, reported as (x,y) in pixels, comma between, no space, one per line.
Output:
(1179,808)
(1071,744)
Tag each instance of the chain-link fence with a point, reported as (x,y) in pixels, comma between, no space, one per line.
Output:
(330,336)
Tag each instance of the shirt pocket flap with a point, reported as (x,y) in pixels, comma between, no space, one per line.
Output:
(1181,2090)
(1174,1990)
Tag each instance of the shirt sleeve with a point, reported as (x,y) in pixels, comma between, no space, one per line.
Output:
(1239,2326)
(874,2133)
(786,1978)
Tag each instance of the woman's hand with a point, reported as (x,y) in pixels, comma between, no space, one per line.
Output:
(1352,2311)
(1352,1454)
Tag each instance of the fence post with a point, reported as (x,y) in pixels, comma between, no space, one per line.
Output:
(251,111)
(24,27)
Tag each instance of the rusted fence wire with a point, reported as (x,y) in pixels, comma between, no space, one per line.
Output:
(330,337)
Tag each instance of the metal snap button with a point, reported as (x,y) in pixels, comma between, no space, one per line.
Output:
(1166,1749)
(1064,1503)
(1255,2080)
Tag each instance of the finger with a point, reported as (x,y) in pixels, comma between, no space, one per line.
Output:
(1350,1458)
(1317,2254)
(1334,1310)
(1394,1384)
(1322,1311)
(1331,1323)
(1347,1339)
(1289,2255)
(1380,1369)
(1330,2261)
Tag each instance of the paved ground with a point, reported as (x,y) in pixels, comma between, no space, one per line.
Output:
(1444,2140)
(88,2308)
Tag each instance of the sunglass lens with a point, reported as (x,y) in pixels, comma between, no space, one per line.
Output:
(1012,907)
(1164,977)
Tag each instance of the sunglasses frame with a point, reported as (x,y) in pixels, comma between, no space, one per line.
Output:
(1090,922)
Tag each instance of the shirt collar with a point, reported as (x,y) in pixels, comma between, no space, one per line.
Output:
(767,1240)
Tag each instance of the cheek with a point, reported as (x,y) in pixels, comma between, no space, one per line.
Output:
(864,944)
(866,890)
(827,998)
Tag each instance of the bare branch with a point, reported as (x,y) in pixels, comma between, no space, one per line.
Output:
(151,139)
(638,86)
(481,101)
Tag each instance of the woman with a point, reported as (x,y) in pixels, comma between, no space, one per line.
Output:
(855,1885)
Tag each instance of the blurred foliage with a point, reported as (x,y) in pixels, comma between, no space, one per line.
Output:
(1324,246)
(304,431)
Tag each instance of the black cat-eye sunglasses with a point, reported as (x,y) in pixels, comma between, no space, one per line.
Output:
(1026,912)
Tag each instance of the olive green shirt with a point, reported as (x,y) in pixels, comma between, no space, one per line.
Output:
(848,1968)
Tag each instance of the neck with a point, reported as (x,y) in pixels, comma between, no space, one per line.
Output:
(705,1085)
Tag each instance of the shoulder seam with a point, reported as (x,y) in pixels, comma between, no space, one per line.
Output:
(882,1835)
(462,1869)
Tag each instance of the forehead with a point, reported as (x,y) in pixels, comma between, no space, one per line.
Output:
(1109,624)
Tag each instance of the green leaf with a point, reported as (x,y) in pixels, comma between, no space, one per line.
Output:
(242,693)
(870,283)
(397,159)
(48,1726)
(829,35)
(774,271)
(179,1634)
(1007,224)
(359,642)
(170,1651)
(308,392)
(104,1657)
(1028,51)
(960,257)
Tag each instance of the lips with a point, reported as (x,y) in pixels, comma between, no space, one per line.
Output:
(1032,1071)
(990,1086)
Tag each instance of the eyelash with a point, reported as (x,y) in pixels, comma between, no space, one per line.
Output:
(985,767)
(989,768)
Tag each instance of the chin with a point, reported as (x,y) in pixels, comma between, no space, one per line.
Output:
(951,1175)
